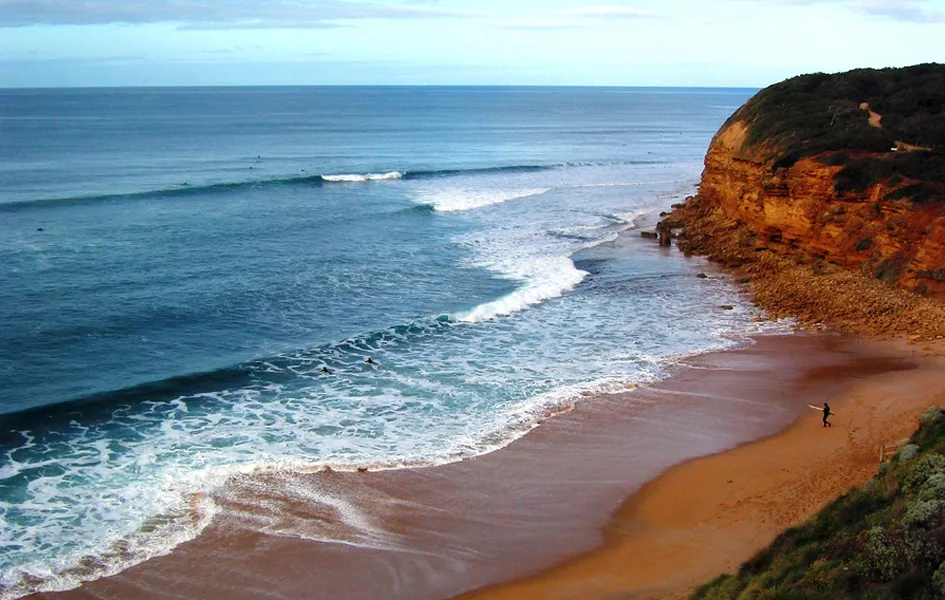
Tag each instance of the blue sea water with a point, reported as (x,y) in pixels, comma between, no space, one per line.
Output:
(179,268)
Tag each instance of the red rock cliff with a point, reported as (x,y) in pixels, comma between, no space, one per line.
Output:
(796,211)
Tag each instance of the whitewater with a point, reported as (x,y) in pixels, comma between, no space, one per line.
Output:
(194,291)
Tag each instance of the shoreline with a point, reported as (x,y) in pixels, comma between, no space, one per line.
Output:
(706,516)
(548,497)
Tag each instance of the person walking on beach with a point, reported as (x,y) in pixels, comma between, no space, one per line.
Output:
(826,414)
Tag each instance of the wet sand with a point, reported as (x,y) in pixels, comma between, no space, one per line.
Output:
(437,532)
(708,515)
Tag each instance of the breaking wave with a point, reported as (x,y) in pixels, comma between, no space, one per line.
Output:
(462,200)
(188,189)
(545,278)
(364,177)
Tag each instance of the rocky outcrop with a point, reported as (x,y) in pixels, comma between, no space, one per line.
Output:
(798,211)
(769,203)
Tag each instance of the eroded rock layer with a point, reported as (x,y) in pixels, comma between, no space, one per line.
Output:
(798,210)
(841,190)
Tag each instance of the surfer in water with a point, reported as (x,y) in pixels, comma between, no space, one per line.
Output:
(826,414)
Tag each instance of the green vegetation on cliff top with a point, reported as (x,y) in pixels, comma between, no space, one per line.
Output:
(822,115)
(885,540)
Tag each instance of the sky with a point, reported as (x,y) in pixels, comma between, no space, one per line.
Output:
(723,43)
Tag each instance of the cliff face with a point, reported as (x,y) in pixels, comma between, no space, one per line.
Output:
(828,192)
(798,211)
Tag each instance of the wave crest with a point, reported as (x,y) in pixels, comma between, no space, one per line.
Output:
(184,189)
(549,278)
(463,200)
(364,177)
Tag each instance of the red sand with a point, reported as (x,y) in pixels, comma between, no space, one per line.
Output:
(436,532)
(707,516)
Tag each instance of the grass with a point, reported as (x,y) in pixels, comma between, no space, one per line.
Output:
(884,540)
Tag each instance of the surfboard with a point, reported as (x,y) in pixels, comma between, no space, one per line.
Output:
(820,408)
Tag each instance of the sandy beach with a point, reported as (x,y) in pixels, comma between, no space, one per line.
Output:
(708,515)
(562,491)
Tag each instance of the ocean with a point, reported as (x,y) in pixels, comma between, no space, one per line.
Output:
(197,283)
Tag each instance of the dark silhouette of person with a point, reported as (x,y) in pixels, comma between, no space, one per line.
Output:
(826,414)
(325,371)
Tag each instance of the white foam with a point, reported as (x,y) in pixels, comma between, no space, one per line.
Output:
(545,278)
(180,524)
(537,256)
(632,218)
(503,379)
(561,400)
(364,177)
(462,200)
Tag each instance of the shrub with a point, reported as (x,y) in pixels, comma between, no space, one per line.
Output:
(753,592)
(923,549)
(850,509)
(823,110)
(883,559)
(938,275)
(938,581)
(890,270)
(818,115)
(887,541)
(932,413)
(925,514)
(834,159)
(930,464)
(759,562)
(909,586)
(921,193)
(933,488)
(723,586)
(908,452)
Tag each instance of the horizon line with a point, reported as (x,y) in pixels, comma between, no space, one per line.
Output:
(374,85)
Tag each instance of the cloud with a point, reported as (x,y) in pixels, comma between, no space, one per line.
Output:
(259,24)
(71,60)
(216,14)
(578,18)
(899,10)
(542,25)
(910,11)
(609,12)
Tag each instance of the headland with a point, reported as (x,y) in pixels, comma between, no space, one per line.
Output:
(824,196)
